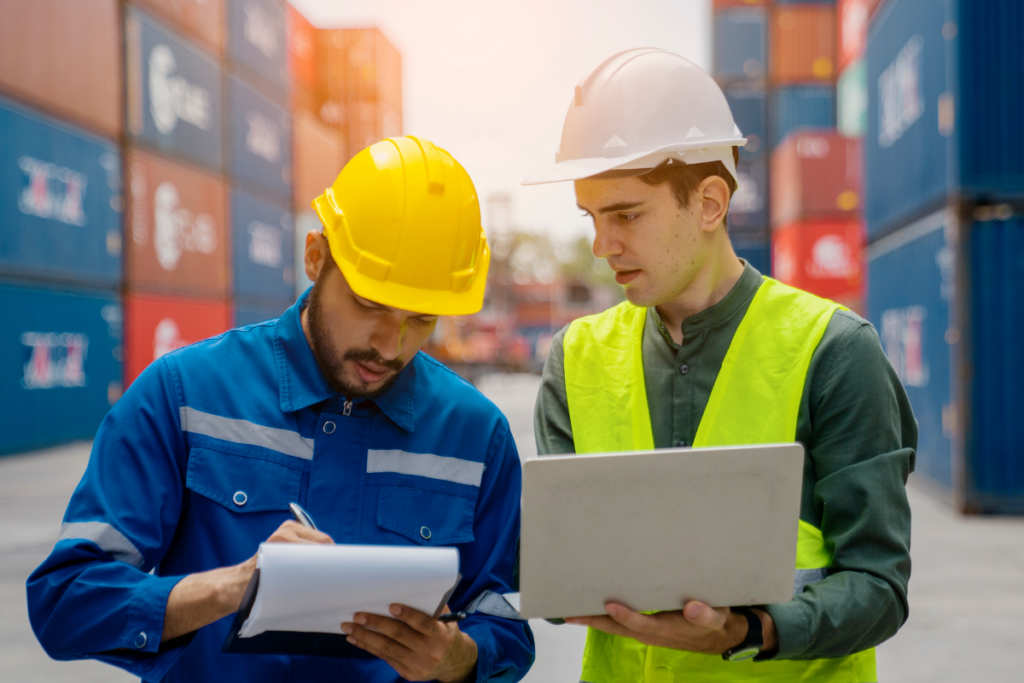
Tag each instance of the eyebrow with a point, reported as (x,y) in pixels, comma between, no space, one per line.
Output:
(621,206)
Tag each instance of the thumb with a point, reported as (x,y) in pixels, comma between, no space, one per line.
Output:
(699,614)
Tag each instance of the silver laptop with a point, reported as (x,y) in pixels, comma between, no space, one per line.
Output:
(654,529)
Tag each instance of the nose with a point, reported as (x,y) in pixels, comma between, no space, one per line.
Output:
(605,242)
(388,339)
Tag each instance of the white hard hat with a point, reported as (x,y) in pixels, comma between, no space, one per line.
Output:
(640,108)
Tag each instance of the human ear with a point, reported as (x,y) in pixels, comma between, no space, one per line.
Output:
(714,198)
(314,256)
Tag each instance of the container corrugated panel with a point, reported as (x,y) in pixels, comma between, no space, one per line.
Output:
(60,365)
(156,325)
(910,285)
(852,100)
(258,41)
(823,257)
(989,98)
(815,174)
(757,254)
(260,141)
(60,200)
(201,19)
(995,462)
(805,106)
(906,147)
(803,44)
(65,56)
(176,227)
(301,49)
(741,44)
(263,236)
(250,314)
(359,64)
(748,210)
(317,158)
(727,4)
(174,99)
(749,107)
(852,30)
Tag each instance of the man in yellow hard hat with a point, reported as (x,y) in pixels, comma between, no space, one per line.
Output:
(331,407)
(707,352)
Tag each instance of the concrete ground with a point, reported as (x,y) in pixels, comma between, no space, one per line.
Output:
(967,590)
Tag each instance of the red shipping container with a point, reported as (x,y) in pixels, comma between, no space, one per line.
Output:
(729,4)
(176,227)
(815,174)
(156,325)
(202,19)
(316,158)
(824,257)
(852,17)
(803,44)
(301,49)
(65,56)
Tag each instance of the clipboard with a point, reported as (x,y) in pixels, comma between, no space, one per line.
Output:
(296,643)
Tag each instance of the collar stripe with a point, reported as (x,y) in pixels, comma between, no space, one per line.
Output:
(425,465)
(245,432)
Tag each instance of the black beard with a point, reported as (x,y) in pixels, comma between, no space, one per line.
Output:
(331,361)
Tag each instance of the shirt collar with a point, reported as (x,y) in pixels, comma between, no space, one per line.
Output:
(301,384)
(732,303)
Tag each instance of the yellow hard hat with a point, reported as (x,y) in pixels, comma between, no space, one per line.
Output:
(403,222)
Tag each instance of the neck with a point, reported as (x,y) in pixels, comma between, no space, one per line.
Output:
(716,278)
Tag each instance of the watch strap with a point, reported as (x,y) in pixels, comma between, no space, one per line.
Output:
(754,641)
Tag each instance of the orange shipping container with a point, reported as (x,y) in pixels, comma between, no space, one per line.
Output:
(203,19)
(65,56)
(803,44)
(316,158)
(815,174)
(157,325)
(301,49)
(821,257)
(729,4)
(176,226)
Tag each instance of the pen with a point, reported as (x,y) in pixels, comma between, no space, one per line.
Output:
(450,617)
(301,516)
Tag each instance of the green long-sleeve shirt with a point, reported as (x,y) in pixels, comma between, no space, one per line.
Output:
(860,437)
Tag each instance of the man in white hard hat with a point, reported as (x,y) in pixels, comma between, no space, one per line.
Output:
(707,352)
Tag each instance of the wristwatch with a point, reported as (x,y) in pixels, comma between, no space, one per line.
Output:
(752,644)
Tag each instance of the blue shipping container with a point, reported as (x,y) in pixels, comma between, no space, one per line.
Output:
(748,210)
(749,107)
(250,314)
(263,236)
(802,106)
(756,254)
(741,44)
(965,377)
(944,82)
(261,140)
(60,202)
(258,41)
(909,296)
(61,365)
(173,93)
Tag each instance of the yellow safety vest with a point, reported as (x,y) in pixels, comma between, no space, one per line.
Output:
(756,399)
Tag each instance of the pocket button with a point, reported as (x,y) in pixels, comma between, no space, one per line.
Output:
(329,427)
(425,533)
(239,498)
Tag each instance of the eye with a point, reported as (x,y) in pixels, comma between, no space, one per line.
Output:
(368,309)
(628,217)
(425,321)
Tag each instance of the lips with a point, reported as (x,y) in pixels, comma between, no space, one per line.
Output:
(370,373)
(626,276)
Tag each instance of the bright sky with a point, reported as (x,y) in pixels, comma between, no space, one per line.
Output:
(491,81)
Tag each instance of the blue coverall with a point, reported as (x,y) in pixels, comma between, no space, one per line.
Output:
(197,463)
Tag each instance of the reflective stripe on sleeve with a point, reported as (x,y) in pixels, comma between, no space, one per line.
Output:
(245,432)
(805,577)
(109,539)
(425,465)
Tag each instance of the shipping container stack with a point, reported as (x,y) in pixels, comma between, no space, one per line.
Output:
(61,210)
(944,207)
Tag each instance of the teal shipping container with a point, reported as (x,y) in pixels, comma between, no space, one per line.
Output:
(802,106)
(60,202)
(741,44)
(60,365)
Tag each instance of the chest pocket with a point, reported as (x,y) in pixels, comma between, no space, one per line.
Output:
(241,483)
(425,517)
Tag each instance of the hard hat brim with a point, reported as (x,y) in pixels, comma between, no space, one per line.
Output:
(577,169)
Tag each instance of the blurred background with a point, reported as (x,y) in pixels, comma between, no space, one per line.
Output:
(158,159)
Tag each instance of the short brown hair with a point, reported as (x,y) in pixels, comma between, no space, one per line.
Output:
(685,178)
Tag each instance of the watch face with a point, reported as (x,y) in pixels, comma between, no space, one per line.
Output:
(744,654)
